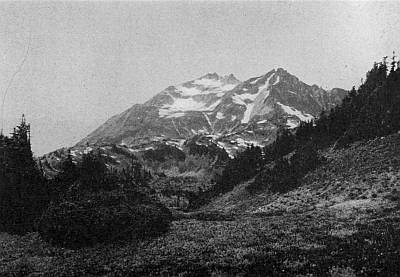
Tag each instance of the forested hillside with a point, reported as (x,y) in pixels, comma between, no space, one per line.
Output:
(367,112)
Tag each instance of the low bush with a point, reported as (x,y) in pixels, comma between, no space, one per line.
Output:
(20,267)
(105,216)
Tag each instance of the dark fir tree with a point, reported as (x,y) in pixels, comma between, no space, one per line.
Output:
(67,176)
(24,193)
(93,172)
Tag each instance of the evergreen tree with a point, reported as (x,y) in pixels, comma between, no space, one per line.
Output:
(67,176)
(24,193)
(135,175)
(92,172)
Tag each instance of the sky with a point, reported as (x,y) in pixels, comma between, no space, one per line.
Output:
(70,66)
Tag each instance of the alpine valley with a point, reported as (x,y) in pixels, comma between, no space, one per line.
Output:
(154,191)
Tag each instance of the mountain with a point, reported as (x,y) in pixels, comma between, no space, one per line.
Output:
(175,112)
(231,113)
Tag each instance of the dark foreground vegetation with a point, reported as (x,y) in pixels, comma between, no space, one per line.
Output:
(106,216)
(326,203)
(85,204)
(309,244)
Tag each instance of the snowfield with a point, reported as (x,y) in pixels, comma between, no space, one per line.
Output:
(292,123)
(175,115)
(182,105)
(220,115)
(297,113)
(248,99)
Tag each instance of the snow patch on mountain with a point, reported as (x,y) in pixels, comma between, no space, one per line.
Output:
(276,81)
(208,84)
(188,91)
(203,94)
(251,100)
(256,80)
(265,86)
(185,104)
(292,123)
(216,85)
(244,143)
(175,115)
(247,113)
(238,99)
(208,119)
(220,115)
(213,106)
(176,129)
(163,112)
(181,105)
(87,150)
(297,113)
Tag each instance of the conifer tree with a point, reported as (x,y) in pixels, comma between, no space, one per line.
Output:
(24,192)
(67,176)
(92,172)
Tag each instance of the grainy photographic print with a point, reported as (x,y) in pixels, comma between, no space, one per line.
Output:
(202,138)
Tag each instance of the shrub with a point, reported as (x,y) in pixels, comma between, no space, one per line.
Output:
(103,216)
(19,267)
(363,196)
(342,272)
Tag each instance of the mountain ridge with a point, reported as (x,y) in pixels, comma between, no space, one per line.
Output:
(218,106)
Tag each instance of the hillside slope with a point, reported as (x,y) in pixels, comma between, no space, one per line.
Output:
(344,221)
(363,176)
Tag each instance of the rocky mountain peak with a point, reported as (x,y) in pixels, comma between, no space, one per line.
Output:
(282,72)
(230,79)
(225,80)
(229,111)
(213,76)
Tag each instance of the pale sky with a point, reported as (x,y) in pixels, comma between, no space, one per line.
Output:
(88,61)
